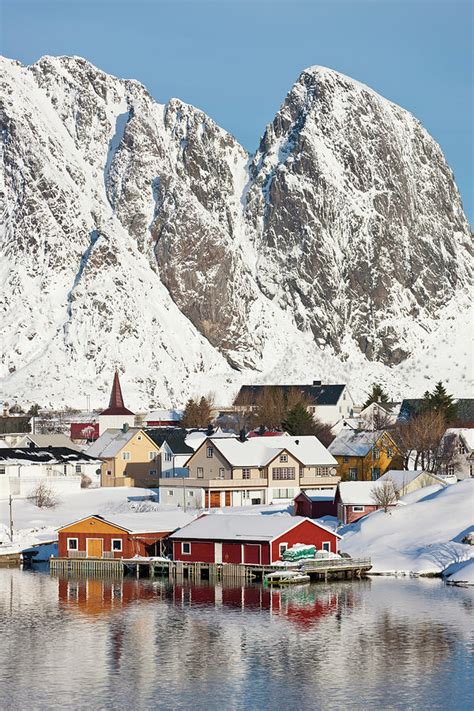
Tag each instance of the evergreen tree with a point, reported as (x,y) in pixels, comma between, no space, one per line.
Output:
(191,414)
(439,401)
(377,394)
(299,421)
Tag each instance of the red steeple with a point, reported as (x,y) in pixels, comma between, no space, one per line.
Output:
(116,404)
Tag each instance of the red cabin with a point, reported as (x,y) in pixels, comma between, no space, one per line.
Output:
(315,503)
(250,539)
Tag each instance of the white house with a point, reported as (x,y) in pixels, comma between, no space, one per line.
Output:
(327,403)
(461,441)
(21,470)
(48,440)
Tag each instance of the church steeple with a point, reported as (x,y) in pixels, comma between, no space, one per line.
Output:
(116,403)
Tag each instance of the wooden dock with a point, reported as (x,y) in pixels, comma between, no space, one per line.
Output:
(339,568)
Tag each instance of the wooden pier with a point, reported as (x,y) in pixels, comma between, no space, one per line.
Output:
(339,568)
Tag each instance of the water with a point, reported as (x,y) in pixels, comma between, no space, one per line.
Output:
(92,644)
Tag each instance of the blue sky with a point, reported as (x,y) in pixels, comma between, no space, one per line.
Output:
(236,59)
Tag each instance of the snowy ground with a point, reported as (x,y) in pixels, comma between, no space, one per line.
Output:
(135,507)
(420,535)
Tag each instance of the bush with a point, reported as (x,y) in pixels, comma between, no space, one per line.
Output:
(86,481)
(43,496)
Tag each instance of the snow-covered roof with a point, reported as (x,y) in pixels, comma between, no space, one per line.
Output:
(111,442)
(320,494)
(146,522)
(234,527)
(196,438)
(164,416)
(357,493)
(350,443)
(44,455)
(259,451)
(48,440)
(466,433)
(402,478)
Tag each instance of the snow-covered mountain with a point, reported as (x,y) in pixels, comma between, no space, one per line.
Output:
(143,235)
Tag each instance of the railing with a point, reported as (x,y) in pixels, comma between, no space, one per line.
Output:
(76,554)
(337,563)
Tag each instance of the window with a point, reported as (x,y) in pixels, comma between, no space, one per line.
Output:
(345,459)
(221,473)
(65,469)
(375,473)
(78,468)
(353,474)
(327,546)
(312,409)
(358,509)
(168,457)
(471,472)
(283,457)
(170,492)
(152,472)
(389,452)
(321,471)
(139,438)
(209,452)
(461,448)
(376,453)
(245,473)
(190,493)
(126,456)
(283,493)
(186,548)
(280,473)
(2,470)
(200,472)
(72,544)
(282,548)
(450,470)
(117,544)
(151,455)
(108,472)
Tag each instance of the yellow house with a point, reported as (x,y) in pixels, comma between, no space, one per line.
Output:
(363,455)
(129,458)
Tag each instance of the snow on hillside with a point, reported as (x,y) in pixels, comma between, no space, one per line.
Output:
(143,235)
(423,537)
(130,507)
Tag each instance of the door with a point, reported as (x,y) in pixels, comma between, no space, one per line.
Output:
(251,553)
(94,547)
(227,498)
(217,552)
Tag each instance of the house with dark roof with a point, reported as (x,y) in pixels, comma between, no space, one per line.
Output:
(116,415)
(328,403)
(22,469)
(173,450)
(464,417)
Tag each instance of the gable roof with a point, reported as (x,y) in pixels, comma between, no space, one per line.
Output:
(116,403)
(175,438)
(143,522)
(48,440)
(45,455)
(258,451)
(319,494)
(358,493)
(241,527)
(164,416)
(402,478)
(111,442)
(316,394)
(355,443)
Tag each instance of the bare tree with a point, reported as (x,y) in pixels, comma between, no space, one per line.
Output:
(384,494)
(43,496)
(420,441)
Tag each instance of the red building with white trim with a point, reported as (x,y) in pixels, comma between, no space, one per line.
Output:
(249,539)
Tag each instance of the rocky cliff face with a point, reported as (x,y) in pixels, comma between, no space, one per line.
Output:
(144,236)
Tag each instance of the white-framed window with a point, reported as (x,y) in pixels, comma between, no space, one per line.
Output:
(152,472)
(185,548)
(209,452)
(283,457)
(450,470)
(152,455)
(170,492)
(126,456)
(78,468)
(221,473)
(282,547)
(283,493)
(461,448)
(168,456)
(376,453)
(245,473)
(280,473)
(2,470)
(327,546)
(117,544)
(190,493)
(200,472)
(353,474)
(72,544)
(358,509)
(321,471)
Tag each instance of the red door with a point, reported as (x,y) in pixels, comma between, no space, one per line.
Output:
(251,553)
(227,499)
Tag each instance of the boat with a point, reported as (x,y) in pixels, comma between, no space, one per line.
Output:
(286,577)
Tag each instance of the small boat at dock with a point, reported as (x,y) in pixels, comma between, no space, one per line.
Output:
(286,577)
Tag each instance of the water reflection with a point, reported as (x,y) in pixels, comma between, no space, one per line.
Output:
(91,643)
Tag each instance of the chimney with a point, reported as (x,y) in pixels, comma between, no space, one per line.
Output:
(242,437)
(316,383)
(125,427)
(209,431)
(297,441)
